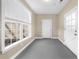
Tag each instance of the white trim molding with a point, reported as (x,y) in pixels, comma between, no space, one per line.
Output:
(14,44)
(45,37)
(14,56)
(63,42)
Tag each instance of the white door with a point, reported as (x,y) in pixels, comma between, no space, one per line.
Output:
(47,28)
(71,32)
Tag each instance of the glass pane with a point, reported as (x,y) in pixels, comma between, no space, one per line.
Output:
(11,33)
(8,36)
(15,32)
(74,15)
(67,18)
(73,22)
(25,31)
(18,32)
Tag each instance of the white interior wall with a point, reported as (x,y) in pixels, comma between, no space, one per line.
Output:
(0,25)
(15,10)
(12,10)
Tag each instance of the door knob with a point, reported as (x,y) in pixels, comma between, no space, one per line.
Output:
(75,30)
(75,34)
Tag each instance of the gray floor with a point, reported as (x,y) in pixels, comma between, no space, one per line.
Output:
(46,49)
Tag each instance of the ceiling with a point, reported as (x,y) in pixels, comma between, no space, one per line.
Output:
(46,6)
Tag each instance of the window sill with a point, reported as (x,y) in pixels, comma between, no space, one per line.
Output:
(7,48)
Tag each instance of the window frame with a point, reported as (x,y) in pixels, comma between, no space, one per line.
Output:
(69,13)
(7,19)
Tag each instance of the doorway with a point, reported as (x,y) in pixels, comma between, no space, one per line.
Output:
(71,30)
(47,28)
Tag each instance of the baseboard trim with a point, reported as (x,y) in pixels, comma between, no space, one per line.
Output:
(45,37)
(66,46)
(61,41)
(14,56)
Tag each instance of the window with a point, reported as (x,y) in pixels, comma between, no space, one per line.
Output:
(15,31)
(70,19)
(12,29)
(11,32)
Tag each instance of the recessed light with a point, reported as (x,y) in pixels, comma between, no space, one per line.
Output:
(46,0)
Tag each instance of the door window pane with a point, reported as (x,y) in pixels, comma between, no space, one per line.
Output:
(70,20)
